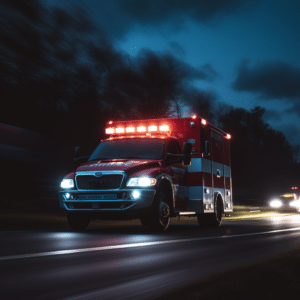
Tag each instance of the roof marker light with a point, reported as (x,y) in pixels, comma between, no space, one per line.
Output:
(194,116)
(110,122)
(110,130)
(164,128)
(141,129)
(120,130)
(228,136)
(203,121)
(130,129)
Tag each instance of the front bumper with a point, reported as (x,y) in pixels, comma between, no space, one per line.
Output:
(109,203)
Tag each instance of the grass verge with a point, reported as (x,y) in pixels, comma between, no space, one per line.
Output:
(274,278)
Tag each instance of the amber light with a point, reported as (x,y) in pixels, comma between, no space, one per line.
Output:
(194,116)
(164,128)
(109,130)
(203,121)
(228,136)
(152,128)
(141,129)
(120,130)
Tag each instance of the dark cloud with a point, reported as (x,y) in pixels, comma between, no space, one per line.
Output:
(270,80)
(292,133)
(157,11)
(118,17)
(272,115)
(177,49)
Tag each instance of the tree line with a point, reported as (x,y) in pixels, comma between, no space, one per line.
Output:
(60,75)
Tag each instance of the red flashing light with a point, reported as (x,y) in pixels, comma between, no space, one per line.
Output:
(152,128)
(164,128)
(109,130)
(141,129)
(294,188)
(130,129)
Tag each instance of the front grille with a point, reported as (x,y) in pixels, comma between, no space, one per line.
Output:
(105,182)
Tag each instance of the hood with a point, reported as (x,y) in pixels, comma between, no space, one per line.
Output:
(127,165)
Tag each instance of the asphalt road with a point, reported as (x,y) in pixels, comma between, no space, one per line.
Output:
(131,262)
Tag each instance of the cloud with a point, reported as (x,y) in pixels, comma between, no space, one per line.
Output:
(270,80)
(292,133)
(177,49)
(157,11)
(272,115)
(118,17)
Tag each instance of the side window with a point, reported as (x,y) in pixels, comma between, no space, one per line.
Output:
(173,148)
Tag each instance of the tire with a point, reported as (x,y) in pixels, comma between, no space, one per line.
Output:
(160,217)
(212,219)
(78,221)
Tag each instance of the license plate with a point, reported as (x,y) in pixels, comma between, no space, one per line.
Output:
(98,197)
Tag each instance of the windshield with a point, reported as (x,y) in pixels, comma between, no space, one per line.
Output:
(129,148)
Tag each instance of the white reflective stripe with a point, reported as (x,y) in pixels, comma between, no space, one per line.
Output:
(205,165)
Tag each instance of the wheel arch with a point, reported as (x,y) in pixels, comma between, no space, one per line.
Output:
(218,197)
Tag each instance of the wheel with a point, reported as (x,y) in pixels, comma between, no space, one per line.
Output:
(78,221)
(160,218)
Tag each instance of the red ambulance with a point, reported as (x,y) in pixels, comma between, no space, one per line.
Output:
(152,170)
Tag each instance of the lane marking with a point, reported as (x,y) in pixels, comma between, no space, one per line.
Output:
(135,245)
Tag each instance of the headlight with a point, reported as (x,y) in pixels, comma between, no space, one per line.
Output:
(67,184)
(141,181)
(295,203)
(275,203)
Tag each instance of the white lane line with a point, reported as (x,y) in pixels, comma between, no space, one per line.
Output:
(135,245)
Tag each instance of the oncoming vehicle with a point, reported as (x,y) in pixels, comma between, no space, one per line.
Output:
(152,170)
(286,202)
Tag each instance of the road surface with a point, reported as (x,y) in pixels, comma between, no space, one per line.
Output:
(131,262)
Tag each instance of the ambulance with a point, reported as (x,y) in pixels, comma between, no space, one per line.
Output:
(152,170)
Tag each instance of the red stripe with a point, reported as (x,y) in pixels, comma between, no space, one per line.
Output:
(218,182)
(227,183)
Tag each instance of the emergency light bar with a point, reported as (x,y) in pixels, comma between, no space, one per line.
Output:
(138,129)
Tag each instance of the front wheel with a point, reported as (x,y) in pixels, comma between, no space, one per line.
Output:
(78,221)
(160,218)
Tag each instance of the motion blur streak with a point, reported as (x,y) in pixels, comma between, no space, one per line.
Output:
(115,247)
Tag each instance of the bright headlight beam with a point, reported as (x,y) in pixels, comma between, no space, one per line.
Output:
(276,203)
(67,184)
(141,181)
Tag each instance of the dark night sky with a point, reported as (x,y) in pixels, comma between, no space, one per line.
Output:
(248,51)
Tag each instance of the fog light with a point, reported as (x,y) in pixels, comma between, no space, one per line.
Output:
(136,194)
(67,196)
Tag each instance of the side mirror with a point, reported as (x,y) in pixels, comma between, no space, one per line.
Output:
(77,152)
(78,160)
(187,150)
